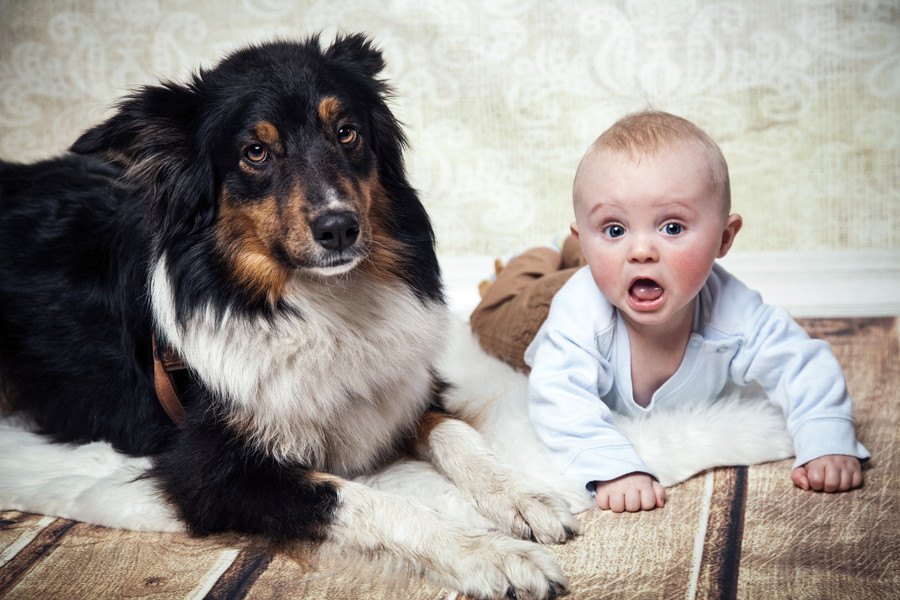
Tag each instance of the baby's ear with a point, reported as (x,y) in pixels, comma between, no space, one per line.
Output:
(732,226)
(573,228)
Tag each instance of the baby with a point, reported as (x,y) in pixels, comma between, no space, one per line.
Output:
(653,321)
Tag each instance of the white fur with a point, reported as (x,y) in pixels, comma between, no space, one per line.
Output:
(339,269)
(741,428)
(353,364)
(409,538)
(90,482)
(511,501)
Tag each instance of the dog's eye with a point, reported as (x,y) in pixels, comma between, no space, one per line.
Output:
(256,153)
(347,134)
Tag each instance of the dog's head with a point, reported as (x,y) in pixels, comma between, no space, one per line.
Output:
(283,159)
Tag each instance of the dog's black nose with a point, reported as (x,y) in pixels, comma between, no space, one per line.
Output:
(335,231)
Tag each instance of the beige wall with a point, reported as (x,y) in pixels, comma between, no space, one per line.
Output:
(500,98)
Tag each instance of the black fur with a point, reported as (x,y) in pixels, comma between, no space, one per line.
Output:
(79,233)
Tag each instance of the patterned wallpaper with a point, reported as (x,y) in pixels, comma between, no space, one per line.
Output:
(501,97)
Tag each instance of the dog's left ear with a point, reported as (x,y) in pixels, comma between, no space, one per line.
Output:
(356,50)
(357,54)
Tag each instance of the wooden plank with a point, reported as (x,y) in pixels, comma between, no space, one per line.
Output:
(286,578)
(720,564)
(210,579)
(636,555)
(96,562)
(39,546)
(17,530)
(801,545)
(241,575)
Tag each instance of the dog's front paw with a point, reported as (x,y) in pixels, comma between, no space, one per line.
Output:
(496,566)
(540,516)
(483,563)
(505,496)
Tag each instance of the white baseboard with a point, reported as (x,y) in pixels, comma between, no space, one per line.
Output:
(852,283)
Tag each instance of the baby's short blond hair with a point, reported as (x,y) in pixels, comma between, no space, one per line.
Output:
(649,132)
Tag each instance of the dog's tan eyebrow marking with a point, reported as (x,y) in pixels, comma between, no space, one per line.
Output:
(329,109)
(267,133)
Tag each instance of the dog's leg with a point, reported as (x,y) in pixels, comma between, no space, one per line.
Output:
(460,453)
(406,535)
(220,483)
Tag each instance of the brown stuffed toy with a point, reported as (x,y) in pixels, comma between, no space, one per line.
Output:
(514,306)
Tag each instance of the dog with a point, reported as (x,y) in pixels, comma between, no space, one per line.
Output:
(258,223)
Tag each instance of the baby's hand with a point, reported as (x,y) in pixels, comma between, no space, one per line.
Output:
(829,473)
(634,492)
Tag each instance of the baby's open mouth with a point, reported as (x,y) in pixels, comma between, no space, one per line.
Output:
(645,290)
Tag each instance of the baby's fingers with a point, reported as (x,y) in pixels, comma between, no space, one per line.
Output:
(648,499)
(634,499)
(846,480)
(602,500)
(659,493)
(617,502)
(831,481)
(816,476)
(851,478)
(856,479)
(800,478)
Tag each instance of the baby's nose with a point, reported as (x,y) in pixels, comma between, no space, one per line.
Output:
(642,249)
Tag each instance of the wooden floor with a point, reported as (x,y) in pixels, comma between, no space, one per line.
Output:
(731,533)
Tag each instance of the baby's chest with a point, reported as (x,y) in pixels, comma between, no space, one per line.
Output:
(698,375)
(650,373)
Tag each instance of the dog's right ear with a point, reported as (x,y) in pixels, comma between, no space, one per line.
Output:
(151,119)
(154,135)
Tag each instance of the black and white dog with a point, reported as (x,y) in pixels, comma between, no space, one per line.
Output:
(258,222)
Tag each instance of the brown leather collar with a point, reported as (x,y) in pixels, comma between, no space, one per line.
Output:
(164,362)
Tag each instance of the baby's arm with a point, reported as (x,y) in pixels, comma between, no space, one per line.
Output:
(570,374)
(802,376)
(829,473)
(632,493)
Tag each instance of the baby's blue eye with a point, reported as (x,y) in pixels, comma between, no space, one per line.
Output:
(673,228)
(614,231)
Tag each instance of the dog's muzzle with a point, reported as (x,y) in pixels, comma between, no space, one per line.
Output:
(336,231)
(340,240)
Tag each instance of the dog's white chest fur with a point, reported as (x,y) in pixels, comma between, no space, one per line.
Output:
(331,386)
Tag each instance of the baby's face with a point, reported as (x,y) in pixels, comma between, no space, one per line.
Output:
(651,228)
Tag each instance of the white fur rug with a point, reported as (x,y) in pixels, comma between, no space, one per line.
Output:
(95,484)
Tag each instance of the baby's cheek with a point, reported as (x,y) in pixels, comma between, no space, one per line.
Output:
(607,273)
(692,266)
